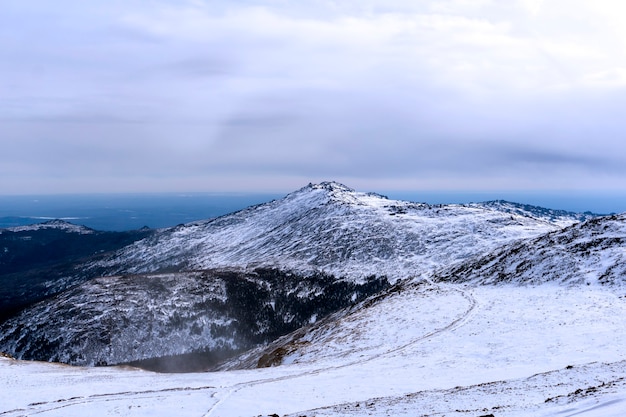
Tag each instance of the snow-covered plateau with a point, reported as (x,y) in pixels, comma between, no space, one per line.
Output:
(492,309)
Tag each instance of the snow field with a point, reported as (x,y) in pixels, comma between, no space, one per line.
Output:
(430,350)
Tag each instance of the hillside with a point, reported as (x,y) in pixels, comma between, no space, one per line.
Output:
(507,351)
(175,322)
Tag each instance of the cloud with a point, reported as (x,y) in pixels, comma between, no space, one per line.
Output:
(189,93)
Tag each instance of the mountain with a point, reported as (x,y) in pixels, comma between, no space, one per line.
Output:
(55,224)
(591,252)
(527,321)
(34,259)
(331,228)
(322,240)
(325,227)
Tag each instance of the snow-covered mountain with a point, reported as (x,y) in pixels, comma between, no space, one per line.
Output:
(436,342)
(169,294)
(325,227)
(331,228)
(561,217)
(52,224)
(591,252)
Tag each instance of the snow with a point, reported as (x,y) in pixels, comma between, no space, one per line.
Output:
(433,349)
(120,319)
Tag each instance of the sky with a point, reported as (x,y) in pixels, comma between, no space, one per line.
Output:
(267,96)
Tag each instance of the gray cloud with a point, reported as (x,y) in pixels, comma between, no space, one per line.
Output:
(195,95)
(202,67)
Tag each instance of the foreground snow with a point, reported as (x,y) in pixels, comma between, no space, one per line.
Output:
(429,350)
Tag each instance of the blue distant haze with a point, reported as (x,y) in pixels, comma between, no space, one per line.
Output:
(123,211)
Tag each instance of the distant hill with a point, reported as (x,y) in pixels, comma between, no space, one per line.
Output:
(33,256)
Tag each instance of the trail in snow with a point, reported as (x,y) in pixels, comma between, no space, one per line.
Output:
(147,397)
(576,394)
(454,324)
(506,350)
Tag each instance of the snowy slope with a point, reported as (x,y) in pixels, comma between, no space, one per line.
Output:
(204,315)
(332,228)
(509,351)
(592,252)
(561,217)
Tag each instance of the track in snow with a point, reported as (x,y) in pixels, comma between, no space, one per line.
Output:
(456,323)
(216,397)
(151,396)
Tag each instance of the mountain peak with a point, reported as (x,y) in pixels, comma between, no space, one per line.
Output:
(330,186)
(57,222)
(341,193)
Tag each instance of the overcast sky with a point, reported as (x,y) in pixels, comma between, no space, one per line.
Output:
(200,95)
